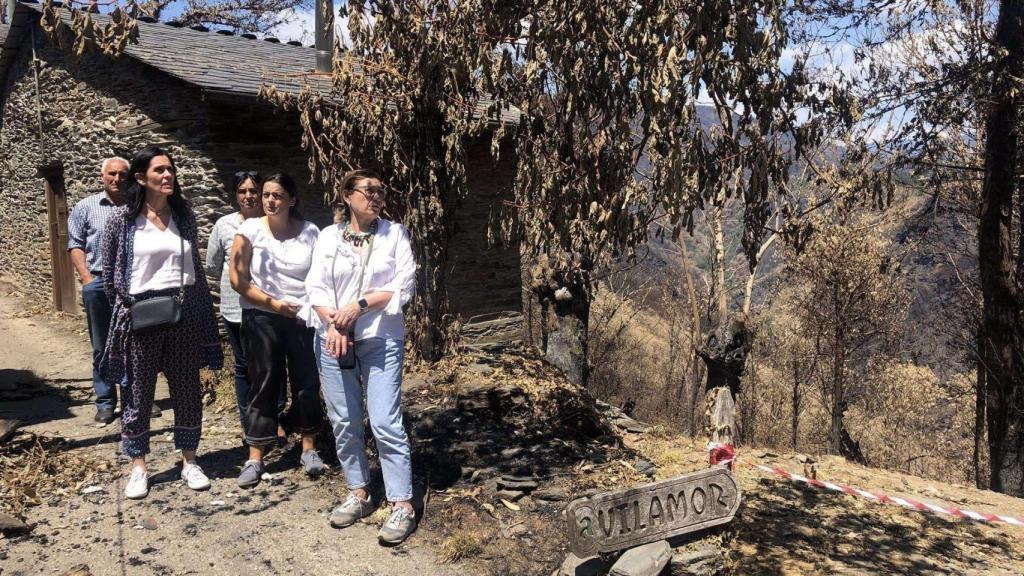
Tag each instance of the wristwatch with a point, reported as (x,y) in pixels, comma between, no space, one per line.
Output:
(363,305)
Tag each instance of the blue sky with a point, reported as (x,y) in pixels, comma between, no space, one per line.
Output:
(298,26)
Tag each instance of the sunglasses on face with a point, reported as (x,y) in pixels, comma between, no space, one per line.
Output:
(372,192)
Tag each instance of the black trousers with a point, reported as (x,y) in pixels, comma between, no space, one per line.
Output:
(278,349)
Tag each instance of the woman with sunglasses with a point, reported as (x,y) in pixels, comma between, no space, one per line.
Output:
(362,273)
(149,247)
(270,258)
(246,187)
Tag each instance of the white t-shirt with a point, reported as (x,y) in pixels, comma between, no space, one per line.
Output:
(156,264)
(278,267)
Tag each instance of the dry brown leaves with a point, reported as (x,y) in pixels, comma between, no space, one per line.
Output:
(37,470)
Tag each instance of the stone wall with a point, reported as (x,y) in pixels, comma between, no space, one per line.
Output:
(96,107)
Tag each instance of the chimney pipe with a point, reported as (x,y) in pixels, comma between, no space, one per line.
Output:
(324,23)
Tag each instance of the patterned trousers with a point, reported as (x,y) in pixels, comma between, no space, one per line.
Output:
(170,350)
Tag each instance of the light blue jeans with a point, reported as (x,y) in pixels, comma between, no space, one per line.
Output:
(379,369)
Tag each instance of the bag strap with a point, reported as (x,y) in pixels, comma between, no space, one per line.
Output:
(181,269)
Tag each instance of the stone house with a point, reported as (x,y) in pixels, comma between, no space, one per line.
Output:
(193,92)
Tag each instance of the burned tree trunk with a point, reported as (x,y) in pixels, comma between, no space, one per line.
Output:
(568,325)
(724,352)
(1003,307)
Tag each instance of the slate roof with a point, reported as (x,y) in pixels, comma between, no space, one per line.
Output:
(10,36)
(218,63)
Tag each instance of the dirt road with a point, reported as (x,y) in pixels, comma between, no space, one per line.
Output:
(277,528)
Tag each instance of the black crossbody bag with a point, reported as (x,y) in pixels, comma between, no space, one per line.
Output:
(161,310)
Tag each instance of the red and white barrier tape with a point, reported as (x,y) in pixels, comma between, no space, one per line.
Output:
(904,502)
(725,454)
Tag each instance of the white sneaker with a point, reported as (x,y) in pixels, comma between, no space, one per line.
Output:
(138,484)
(193,476)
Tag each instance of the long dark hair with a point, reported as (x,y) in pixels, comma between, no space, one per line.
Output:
(136,197)
(285,181)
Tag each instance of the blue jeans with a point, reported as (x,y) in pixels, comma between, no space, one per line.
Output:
(379,368)
(97,315)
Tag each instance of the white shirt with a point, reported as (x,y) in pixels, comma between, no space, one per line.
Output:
(278,267)
(156,263)
(334,277)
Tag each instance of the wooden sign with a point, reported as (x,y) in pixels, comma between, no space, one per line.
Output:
(635,516)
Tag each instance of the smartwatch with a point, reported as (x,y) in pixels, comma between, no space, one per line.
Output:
(363,305)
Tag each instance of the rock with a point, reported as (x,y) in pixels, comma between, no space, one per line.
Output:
(630,425)
(510,495)
(575,566)
(514,531)
(518,483)
(217,503)
(805,459)
(510,453)
(7,429)
(646,560)
(91,490)
(645,467)
(551,493)
(78,570)
(149,524)
(11,524)
(704,561)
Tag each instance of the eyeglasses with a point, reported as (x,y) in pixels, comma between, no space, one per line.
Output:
(247,174)
(372,192)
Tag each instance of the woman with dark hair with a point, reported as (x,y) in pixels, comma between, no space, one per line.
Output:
(363,273)
(269,261)
(245,185)
(149,245)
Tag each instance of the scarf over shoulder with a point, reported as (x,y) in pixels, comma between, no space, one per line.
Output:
(198,317)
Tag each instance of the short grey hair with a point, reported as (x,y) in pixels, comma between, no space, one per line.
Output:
(103,167)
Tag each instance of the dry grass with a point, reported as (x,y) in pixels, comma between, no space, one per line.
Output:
(458,546)
(905,417)
(36,470)
(379,515)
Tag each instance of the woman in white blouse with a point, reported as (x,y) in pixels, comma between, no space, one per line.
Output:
(363,272)
(269,262)
(149,252)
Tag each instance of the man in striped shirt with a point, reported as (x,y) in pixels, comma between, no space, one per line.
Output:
(85,247)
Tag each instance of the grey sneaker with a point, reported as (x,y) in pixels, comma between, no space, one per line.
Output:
(313,464)
(352,509)
(251,473)
(398,526)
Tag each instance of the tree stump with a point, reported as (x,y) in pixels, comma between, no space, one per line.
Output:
(721,413)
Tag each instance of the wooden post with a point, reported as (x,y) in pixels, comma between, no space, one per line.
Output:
(64,290)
